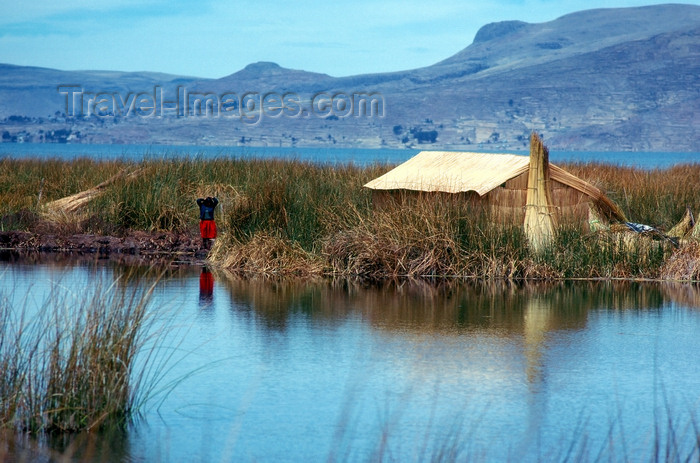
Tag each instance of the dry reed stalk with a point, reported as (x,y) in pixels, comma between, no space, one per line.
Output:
(265,254)
(73,203)
(684,227)
(397,243)
(487,267)
(634,250)
(352,253)
(540,222)
(684,264)
(63,222)
(605,205)
(596,222)
(695,233)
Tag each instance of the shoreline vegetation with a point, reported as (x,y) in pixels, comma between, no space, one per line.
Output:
(70,364)
(297,219)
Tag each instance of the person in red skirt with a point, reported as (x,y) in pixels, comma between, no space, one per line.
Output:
(207,226)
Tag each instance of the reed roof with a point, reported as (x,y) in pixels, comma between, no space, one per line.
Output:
(452,172)
(455,172)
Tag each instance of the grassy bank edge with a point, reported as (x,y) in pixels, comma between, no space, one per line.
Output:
(295,219)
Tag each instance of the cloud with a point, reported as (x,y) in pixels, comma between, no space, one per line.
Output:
(43,10)
(59,16)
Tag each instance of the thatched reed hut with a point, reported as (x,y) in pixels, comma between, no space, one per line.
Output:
(497,181)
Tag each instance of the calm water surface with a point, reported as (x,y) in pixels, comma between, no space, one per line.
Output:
(267,371)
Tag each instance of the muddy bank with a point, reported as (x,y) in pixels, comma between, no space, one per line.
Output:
(137,246)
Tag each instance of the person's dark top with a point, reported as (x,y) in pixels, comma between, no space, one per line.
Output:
(206,208)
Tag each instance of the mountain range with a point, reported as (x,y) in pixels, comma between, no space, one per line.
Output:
(605,79)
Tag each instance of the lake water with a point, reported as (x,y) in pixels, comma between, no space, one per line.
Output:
(361,157)
(267,371)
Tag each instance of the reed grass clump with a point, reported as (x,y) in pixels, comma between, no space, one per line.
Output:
(656,197)
(395,241)
(26,184)
(68,364)
(421,237)
(683,264)
(267,255)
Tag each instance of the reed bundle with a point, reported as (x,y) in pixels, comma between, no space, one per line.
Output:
(540,221)
(684,227)
(75,202)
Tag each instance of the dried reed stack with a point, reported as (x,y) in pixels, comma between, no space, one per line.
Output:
(684,227)
(695,232)
(540,221)
(74,202)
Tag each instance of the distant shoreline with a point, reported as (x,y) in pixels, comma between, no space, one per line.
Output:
(360,156)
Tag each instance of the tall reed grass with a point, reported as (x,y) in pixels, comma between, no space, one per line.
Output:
(68,364)
(673,436)
(655,197)
(295,218)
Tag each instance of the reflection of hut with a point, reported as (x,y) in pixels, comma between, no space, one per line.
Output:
(499,181)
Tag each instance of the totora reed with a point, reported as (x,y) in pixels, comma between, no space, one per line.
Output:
(289,218)
(69,362)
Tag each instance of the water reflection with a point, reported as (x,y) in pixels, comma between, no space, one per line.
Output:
(526,312)
(282,358)
(206,287)
(504,308)
(683,294)
(582,337)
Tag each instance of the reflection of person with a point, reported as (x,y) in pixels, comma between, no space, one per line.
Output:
(206,285)
(207,226)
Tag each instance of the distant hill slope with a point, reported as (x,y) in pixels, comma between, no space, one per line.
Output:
(604,79)
(33,91)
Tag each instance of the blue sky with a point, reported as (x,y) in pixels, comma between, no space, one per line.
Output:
(214,38)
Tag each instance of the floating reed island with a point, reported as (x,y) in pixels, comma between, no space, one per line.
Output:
(438,215)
